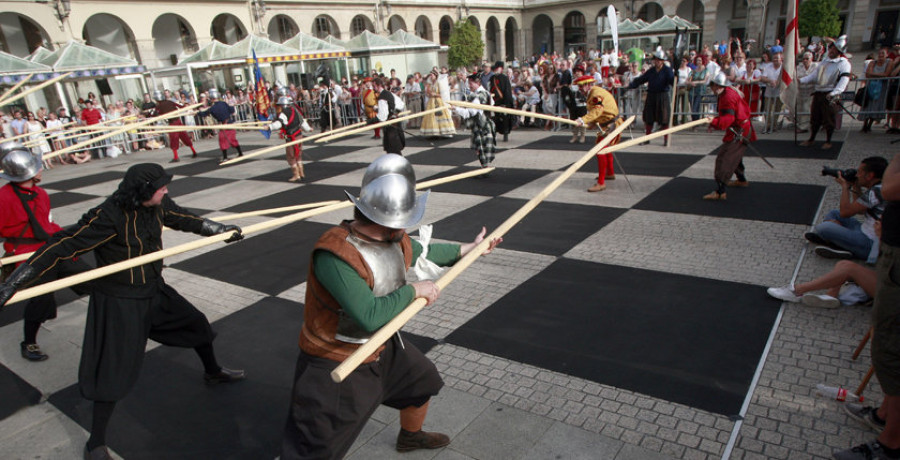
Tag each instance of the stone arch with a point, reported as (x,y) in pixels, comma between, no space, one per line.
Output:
(475,22)
(20,36)
(359,23)
(423,28)
(492,39)
(396,23)
(281,27)
(445,26)
(173,36)
(574,32)
(650,11)
(542,34)
(509,36)
(110,33)
(228,29)
(324,25)
(692,10)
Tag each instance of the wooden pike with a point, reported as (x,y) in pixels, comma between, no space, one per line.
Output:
(382,335)
(16,86)
(494,108)
(53,286)
(121,130)
(266,150)
(8,100)
(380,124)
(20,136)
(261,212)
(651,136)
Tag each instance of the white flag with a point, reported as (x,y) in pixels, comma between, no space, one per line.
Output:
(613,27)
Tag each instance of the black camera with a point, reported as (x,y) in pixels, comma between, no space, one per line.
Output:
(848,174)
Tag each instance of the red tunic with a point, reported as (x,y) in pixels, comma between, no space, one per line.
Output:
(13,218)
(733,112)
(91,116)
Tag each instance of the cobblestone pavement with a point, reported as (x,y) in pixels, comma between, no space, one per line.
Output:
(498,408)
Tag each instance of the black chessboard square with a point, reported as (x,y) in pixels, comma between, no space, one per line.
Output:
(319,152)
(314,171)
(766,201)
(561,142)
(552,228)
(498,182)
(60,199)
(647,164)
(187,185)
(271,262)
(83,181)
(449,156)
(312,193)
(692,341)
(772,148)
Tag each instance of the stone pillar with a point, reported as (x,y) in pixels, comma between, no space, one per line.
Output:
(501,44)
(147,51)
(708,34)
(756,23)
(590,35)
(559,40)
(525,43)
(859,34)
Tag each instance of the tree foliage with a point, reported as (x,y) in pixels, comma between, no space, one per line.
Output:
(466,46)
(819,18)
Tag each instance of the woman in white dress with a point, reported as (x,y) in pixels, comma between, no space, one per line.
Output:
(39,144)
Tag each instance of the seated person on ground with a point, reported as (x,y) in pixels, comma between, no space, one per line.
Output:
(841,235)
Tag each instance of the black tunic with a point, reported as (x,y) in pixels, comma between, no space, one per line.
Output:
(501,92)
(128,307)
(393,141)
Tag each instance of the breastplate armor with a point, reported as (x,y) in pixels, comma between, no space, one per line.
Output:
(389,270)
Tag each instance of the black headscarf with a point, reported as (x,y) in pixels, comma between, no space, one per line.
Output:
(140,183)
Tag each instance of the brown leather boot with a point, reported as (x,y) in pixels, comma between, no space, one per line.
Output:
(738,183)
(408,441)
(597,188)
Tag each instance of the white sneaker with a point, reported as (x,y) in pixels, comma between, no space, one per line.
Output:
(785,293)
(820,301)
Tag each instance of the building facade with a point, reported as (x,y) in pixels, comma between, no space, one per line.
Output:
(159,33)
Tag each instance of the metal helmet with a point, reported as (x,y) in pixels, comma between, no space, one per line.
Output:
(158,95)
(659,54)
(18,163)
(281,91)
(391,201)
(720,79)
(841,44)
(214,94)
(284,101)
(389,164)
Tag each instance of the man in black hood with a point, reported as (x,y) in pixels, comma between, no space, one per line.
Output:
(130,306)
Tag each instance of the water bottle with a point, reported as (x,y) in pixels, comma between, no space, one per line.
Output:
(836,393)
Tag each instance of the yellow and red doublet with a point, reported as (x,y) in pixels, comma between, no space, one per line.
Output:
(603,111)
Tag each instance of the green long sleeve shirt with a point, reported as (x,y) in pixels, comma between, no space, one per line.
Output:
(355,296)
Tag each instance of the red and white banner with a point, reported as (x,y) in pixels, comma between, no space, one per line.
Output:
(789,84)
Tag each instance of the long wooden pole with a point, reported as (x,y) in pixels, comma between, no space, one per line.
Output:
(16,86)
(261,212)
(651,136)
(380,124)
(523,113)
(53,286)
(45,130)
(382,335)
(672,107)
(266,150)
(865,381)
(28,91)
(121,130)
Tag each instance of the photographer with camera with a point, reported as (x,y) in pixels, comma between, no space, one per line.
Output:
(841,235)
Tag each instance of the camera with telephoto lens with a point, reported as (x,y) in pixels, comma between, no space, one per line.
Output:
(848,174)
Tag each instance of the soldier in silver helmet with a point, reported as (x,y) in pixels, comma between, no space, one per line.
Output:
(292,125)
(356,284)
(831,80)
(25,225)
